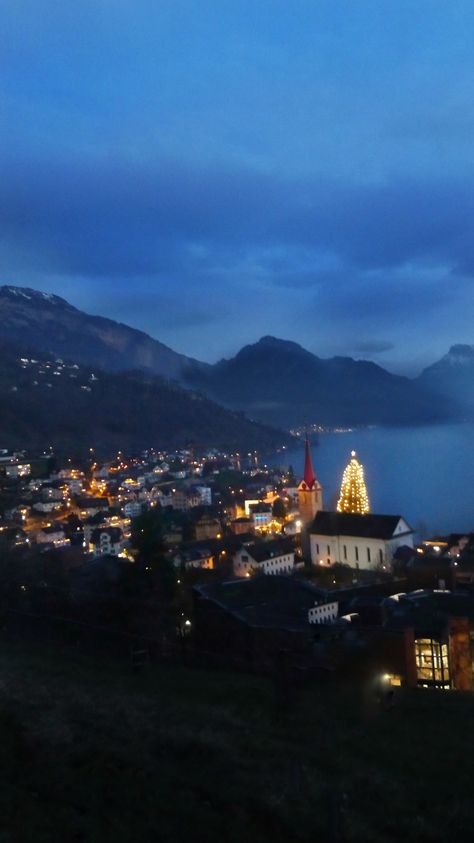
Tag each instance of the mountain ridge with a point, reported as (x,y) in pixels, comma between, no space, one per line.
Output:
(282,383)
(275,381)
(88,339)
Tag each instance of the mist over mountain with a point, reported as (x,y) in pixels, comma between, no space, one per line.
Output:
(282,383)
(49,323)
(274,381)
(452,378)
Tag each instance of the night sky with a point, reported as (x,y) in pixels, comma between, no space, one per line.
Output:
(211,172)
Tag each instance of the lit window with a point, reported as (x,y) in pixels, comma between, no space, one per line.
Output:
(432,666)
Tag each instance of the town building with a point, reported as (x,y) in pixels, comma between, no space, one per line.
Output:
(106,541)
(241,525)
(53,534)
(269,557)
(207,527)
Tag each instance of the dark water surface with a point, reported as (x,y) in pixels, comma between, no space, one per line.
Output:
(425,474)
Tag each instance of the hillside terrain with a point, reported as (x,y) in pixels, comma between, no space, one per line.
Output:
(93,752)
(48,401)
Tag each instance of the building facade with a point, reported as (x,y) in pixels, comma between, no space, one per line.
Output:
(361,541)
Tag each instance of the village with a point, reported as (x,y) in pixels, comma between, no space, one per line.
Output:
(236,561)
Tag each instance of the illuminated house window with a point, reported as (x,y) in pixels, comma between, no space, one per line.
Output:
(432,663)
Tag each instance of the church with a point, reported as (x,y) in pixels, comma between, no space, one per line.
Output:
(351,535)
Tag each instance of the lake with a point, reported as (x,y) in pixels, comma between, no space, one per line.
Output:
(425,474)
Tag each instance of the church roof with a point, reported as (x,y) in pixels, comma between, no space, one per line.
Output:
(356,525)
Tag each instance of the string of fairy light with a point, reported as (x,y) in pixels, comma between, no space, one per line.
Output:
(353,496)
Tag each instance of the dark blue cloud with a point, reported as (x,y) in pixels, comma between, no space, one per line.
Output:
(303,170)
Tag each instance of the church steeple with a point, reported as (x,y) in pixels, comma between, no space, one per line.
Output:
(309,476)
(310,493)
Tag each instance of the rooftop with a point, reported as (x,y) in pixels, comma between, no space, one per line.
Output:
(353,524)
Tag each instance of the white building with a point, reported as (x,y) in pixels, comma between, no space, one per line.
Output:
(106,541)
(273,557)
(324,613)
(132,509)
(54,534)
(205,494)
(361,541)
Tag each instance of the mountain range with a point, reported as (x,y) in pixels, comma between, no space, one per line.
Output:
(282,383)
(273,381)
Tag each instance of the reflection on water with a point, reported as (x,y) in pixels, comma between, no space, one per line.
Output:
(425,474)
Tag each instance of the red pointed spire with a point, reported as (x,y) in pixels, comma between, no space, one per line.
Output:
(309,476)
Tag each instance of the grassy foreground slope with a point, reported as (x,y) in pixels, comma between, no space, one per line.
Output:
(94,753)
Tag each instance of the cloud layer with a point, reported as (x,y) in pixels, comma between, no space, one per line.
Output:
(303,172)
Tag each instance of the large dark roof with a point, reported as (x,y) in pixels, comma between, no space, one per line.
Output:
(353,524)
(428,611)
(278,602)
(92,503)
(261,551)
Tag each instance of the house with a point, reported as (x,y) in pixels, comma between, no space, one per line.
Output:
(52,535)
(47,506)
(132,509)
(361,541)
(181,499)
(324,612)
(106,541)
(91,506)
(18,469)
(14,536)
(207,527)
(52,493)
(241,525)
(261,514)
(199,554)
(210,553)
(205,494)
(272,557)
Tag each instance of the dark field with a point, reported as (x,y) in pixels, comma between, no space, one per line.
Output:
(96,753)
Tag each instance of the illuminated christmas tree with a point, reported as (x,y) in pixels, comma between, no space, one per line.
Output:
(353,497)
